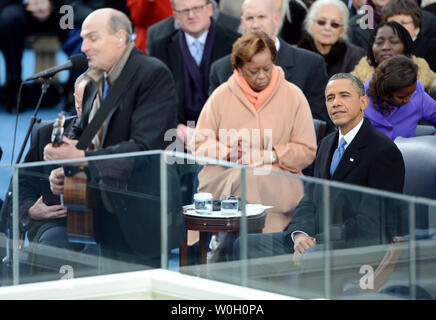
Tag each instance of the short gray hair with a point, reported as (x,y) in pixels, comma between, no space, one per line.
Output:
(119,21)
(83,77)
(318,4)
(356,82)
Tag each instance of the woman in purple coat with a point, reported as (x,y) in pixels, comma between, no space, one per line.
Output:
(398,100)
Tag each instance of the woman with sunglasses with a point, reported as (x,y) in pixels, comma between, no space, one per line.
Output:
(388,40)
(325,24)
(397,99)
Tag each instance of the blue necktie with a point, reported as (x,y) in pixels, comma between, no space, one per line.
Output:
(105,88)
(337,155)
(197,52)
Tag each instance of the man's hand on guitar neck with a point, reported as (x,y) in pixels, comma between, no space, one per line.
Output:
(67,150)
(56,179)
(41,211)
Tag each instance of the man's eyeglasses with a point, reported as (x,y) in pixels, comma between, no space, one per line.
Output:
(194,10)
(334,25)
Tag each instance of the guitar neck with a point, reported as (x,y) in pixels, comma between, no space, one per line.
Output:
(58,130)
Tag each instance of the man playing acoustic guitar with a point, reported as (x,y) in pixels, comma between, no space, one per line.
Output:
(128,107)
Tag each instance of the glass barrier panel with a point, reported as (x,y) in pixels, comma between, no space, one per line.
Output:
(345,242)
(5,221)
(103,217)
(153,210)
(357,243)
(252,201)
(263,257)
(357,237)
(201,200)
(418,256)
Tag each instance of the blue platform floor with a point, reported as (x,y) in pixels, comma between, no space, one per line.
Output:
(8,121)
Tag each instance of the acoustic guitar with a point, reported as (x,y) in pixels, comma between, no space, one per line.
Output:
(77,196)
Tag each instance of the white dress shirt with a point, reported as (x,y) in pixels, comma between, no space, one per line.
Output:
(351,134)
(277,42)
(196,46)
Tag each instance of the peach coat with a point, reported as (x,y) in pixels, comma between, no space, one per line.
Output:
(283,123)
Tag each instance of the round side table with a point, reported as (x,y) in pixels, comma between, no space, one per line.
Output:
(205,224)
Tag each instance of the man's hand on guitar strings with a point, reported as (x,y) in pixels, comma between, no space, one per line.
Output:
(41,211)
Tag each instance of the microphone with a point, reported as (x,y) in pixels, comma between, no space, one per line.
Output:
(76,62)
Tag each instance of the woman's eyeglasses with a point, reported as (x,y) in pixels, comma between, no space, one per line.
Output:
(334,25)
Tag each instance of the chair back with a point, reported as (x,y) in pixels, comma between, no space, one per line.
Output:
(320,129)
(424,130)
(419,155)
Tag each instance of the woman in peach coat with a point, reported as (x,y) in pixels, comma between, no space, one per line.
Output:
(258,119)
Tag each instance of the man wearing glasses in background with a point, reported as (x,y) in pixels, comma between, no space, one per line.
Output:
(189,53)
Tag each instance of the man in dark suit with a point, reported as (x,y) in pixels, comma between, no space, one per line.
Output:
(303,68)
(42,216)
(368,160)
(167,26)
(357,154)
(139,109)
(40,210)
(354,6)
(189,53)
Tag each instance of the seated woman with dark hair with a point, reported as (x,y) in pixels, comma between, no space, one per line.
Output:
(387,40)
(420,24)
(397,99)
(326,23)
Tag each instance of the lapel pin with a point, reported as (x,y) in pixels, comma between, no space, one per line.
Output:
(351,159)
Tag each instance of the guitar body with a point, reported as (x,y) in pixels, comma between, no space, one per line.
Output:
(76,197)
(80,217)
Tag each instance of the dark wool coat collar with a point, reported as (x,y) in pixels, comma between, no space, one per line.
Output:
(336,53)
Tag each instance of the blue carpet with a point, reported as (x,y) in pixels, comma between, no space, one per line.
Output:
(7,127)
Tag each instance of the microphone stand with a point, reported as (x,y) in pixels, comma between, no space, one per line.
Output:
(33,119)
(46,84)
